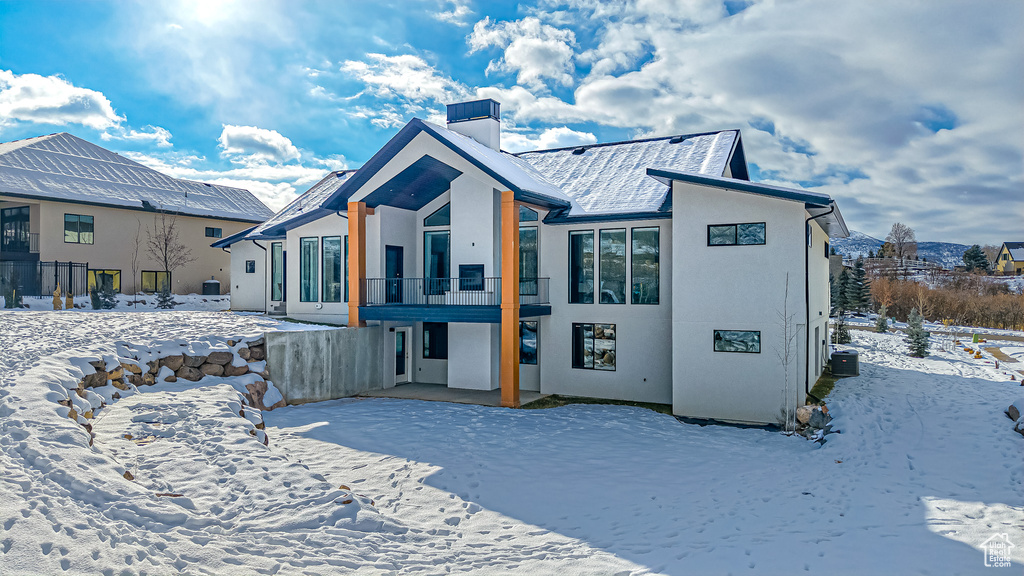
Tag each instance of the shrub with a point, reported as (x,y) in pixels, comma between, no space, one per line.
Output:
(882,324)
(917,336)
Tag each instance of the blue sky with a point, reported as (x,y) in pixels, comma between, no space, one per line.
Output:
(907,112)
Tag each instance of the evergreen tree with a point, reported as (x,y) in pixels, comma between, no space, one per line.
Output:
(107,298)
(858,287)
(841,334)
(165,300)
(840,292)
(882,324)
(871,253)
(95,299)
(917,337)
(975,260)
(831,250)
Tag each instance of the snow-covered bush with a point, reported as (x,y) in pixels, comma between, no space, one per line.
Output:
(841,334)
(917,336)
(165,300)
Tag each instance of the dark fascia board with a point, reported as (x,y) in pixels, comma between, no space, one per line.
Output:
(236,237)
(811,199)
(737,157)
(832,220)
(123,207)
(560,218)
(473,314)
(339,200)
(280,228)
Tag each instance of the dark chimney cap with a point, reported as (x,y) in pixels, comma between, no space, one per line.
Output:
(475,110)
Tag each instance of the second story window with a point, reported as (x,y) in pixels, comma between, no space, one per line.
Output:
(581,267)
(214,232)
(736,234)
(78,229)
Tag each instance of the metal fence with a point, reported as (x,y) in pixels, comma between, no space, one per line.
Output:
(40,279)
(469,291)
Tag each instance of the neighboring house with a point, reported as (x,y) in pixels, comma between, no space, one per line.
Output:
(65,200)
(258,257)
(649,270)
(1010,259)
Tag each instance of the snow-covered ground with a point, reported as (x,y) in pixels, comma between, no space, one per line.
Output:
(136,303)
(926,469)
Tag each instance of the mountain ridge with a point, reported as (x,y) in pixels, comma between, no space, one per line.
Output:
(945,254)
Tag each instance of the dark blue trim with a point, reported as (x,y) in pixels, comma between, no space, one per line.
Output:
(416,186)
(811,199)
(738,160)
(562,218)
(472,314)
(225,242)
(280,228)
(339,200)
(474,110)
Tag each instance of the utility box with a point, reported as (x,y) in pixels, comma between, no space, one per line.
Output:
(211,287)
(846,363)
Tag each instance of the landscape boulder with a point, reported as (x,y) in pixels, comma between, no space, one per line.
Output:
(220,358)
(1013,412)
(212,369)
(98,365)
(232,370)
(243,353)
(194,361)
(803,414)
(257,353)
(189,373)
(173,362)
(133,368)
(95,380)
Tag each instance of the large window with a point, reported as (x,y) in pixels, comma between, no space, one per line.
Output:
(435,340)
(440,217)
(528,270)
(344,265)
(593,346)
(581,267)
(736,234)
(436,262)
(738,341)
(527,214)
(14,230)
(214,232)
(277,271)
(105,280)
(332,269)
(309,253)
(645,273)
(156,281)
(528,342)
(78,229)
(613,266)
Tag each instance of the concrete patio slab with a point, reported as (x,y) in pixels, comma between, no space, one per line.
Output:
(442,393)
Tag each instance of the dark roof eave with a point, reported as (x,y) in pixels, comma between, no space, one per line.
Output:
(236,237)
(560,218)
(126,207)
(812,199)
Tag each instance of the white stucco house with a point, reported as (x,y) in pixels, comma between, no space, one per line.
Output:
(648,270)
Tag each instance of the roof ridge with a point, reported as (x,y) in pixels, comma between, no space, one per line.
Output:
(620,142)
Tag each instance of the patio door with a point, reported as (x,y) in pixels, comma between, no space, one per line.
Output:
(394,270)
(402,356)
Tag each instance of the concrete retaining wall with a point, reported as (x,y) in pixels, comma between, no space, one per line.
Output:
(317,365)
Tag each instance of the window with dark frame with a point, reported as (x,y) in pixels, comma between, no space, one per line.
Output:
(435,340)
(440,217)
(79,229)
(745,341)
(214,232)
(309,254)
(277,271)
(581,267)
(332,269)
(528,261)
(750,234)
(155,281)
(471,276)
(104,279)
(646,274)
(250,266)
(436,262)
(613,266)
(826,250)
(593,346)
(528,342)
(344,266)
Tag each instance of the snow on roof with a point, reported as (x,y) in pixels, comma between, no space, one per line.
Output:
(518,172)
(612,178)
(65,167)
(1016,250)
(307,204)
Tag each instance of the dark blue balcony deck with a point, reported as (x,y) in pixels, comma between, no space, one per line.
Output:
(449,299)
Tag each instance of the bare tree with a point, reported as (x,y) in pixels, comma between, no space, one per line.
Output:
(135,256)
(164,245)
(786,355)
(904,244)
(991,252)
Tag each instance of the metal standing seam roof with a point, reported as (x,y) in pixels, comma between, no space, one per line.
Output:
(66,168)
(612,178)
(305,208)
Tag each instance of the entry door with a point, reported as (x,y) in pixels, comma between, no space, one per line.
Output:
(402,356)
(394,269)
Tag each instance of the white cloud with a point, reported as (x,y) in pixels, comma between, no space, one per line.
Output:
(52,100)
(533,51)
(406,76)
(459,14)
(252,144)
(561,137)
(275,196)
(161,137)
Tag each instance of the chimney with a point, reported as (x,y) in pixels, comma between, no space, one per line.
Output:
(479,119)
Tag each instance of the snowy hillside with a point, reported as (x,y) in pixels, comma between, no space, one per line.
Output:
(946,254)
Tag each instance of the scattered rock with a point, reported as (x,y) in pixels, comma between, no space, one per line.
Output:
(135,380)
(127,436)
(257,342)
(95,380)
(1013,413)
(243,353)
(98,365)
(117,374)
(818,419)
(128,475)
(261,426)
(212,369)
(149,379)
(231,370)
(171,378)
(88,414)
(73,414)
(220,358)
(232,342)
(803,414)
(257,353)
(173,362)
(189,373)
(194,361)
(154,366)
(133,368)
(265,373)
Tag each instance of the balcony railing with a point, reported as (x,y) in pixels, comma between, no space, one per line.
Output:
(26,244)
(472,291)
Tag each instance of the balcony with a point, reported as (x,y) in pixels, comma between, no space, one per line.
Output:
(20,247)
(466,299)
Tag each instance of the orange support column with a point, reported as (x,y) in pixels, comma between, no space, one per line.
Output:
(509,373)
(356,261)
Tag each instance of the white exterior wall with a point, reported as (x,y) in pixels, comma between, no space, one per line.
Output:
(643,343)
(735,288)
(486,131)
(820,303)
(318,311)
(248,290)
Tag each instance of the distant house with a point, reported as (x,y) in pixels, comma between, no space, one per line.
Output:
(1010,258)
(648,270)
(65,200)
